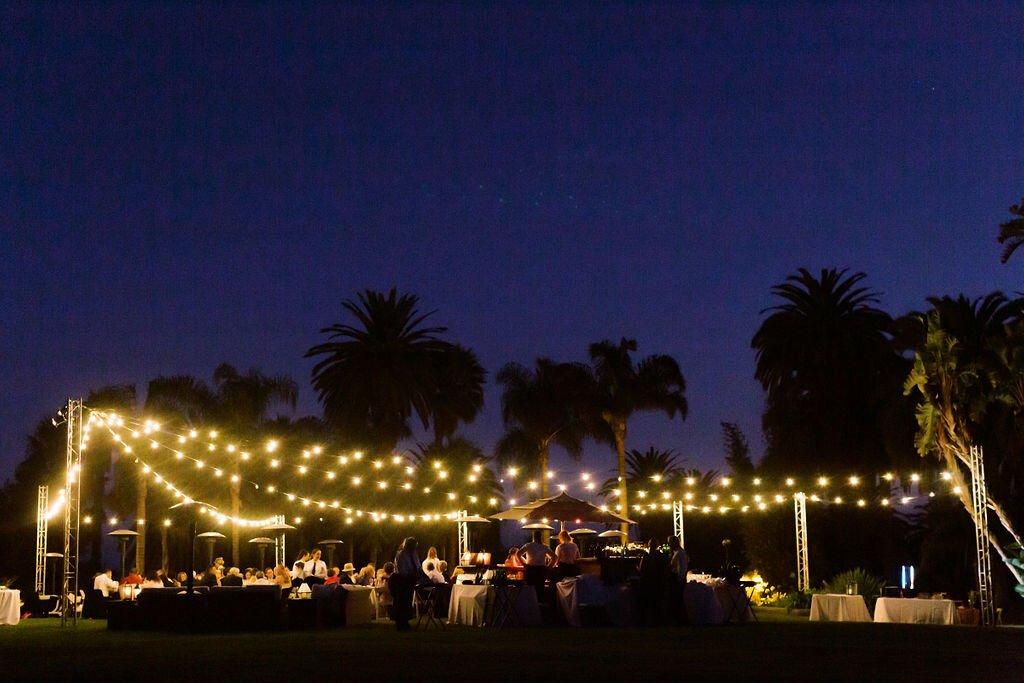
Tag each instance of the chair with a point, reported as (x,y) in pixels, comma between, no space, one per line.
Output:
(424,601)
(382,601)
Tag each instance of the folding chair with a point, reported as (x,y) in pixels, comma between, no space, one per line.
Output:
(424,600)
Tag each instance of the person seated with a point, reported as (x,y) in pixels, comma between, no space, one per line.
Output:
(263,580)
(282,577)
(233,578)
(366,576)
(332,576)
(210,578)
(348,572)
(443,568)
(151,581)
(133,578)
(165,581)
(182,578)
(433,575)
(513,565)
(383,573)
(105,583)
(249,577)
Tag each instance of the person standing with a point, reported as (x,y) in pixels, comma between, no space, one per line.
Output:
(314,571)
(536,556)
(402,582)
(567,553)
(653,573)
(679,565)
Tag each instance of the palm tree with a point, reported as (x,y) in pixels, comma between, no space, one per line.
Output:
(1011,232)
(459,392)
(622,388)
(825,358)
(238,403)
(542,407)
(374,376)
(651,468)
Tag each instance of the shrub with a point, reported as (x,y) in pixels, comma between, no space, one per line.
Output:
(867,585)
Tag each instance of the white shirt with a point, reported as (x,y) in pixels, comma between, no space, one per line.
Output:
(104,584)
(679,564)
(430,560)
(316,568)
(436,577)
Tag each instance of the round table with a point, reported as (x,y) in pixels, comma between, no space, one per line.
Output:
(10,607)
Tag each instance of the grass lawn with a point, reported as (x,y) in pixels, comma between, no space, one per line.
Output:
(777,648)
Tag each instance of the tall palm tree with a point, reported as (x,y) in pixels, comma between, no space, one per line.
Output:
(622,388)
(1011,233)
(459,394)
(825,358)
(653,468)
(542,407)
(373,376)
(238,403)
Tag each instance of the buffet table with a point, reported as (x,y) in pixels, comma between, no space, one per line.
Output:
(588,590)
(474,605)
(838,607)
(10,607)
(712,600)
(468,604)
(915,611)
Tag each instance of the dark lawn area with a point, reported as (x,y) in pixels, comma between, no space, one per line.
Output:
(777,648)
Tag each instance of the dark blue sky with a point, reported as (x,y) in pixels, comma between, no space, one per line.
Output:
(185,186)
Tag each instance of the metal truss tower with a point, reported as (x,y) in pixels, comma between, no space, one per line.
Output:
(979,497)
(72,501)
(803,574)
(41,523)
(677,521)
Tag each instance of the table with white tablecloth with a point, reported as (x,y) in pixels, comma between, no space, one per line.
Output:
(10,607)
(590,591)
(838,607)
(468,604)
(716,601)
(915,611)
(474,605)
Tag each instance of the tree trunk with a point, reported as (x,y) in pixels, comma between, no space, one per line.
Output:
(620,448)
(545,453)
(952,453)
(164,562)
(140,522)
(236,506)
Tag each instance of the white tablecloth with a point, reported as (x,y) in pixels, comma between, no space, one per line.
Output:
(838,607)
(702,606)
(10,607)
(359,607)
(472,605)
(468,604)
(588,589)
(915,611)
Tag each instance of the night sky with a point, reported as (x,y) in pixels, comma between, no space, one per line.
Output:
(184,186)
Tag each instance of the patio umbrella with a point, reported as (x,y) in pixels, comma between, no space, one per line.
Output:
(562,507)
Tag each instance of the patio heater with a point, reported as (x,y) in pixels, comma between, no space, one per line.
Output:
(123,536)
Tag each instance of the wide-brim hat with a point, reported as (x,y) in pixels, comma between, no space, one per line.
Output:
(349,567)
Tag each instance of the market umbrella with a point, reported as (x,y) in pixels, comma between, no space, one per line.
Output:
(562,507)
